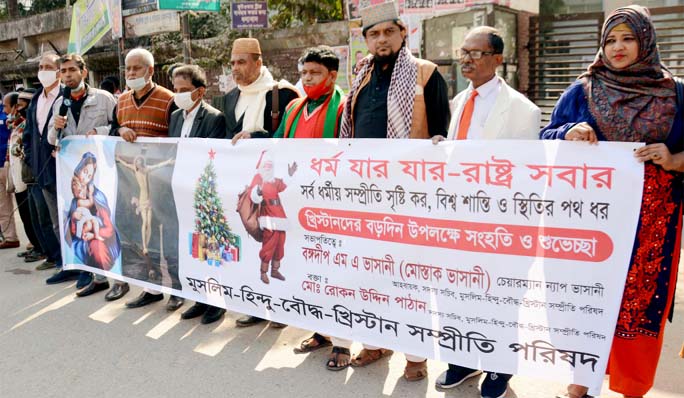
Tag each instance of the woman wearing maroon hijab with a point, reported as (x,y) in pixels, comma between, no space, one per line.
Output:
(628,95)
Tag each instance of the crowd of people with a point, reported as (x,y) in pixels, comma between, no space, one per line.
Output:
(625,95)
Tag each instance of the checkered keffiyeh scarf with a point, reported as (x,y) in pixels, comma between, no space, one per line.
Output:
(400,98)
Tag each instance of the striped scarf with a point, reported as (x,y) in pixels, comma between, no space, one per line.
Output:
(400,98)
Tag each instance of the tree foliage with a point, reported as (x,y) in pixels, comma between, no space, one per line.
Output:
(290,13)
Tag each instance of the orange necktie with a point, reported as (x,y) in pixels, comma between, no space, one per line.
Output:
(466,117)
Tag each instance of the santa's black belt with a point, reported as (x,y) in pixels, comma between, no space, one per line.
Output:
(274,202)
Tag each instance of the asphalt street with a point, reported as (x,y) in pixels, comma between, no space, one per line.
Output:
(54,344)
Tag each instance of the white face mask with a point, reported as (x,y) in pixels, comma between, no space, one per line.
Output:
(137,84)
(47,77)
(184,100)
(80,87)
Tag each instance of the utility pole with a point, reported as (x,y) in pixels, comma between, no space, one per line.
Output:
(185,32)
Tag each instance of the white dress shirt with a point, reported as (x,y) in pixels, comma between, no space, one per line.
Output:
(188,120)
(45,101)
(484,102)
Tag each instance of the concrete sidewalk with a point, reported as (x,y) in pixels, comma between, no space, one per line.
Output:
(53,344)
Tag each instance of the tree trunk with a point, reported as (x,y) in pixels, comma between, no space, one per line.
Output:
(12,9)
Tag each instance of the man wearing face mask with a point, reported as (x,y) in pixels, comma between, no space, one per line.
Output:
(250,109)
(143,111)
(38,156)
(7,225)
(89,111)
(318,114)
(195,118)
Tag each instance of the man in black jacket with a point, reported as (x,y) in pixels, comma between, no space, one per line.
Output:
(38,156)
(248,108)
(195,118)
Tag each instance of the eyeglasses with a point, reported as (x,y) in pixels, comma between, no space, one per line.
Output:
(474,54)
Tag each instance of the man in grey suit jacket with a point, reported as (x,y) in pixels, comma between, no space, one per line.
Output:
(488,109)
(194,117)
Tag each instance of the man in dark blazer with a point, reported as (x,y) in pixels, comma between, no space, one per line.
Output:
(38,156)
(248,107)
(194,117)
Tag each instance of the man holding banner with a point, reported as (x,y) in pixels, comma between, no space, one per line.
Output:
(143,111)
(394,95)
(493,110)
(254,108)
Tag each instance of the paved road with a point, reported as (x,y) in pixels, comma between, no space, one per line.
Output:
(53,344)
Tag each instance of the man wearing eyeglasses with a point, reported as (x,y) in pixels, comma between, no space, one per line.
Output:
(488,109)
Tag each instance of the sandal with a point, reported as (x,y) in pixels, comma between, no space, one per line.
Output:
(313,343)
(334,360)
(415,371)
(367,357)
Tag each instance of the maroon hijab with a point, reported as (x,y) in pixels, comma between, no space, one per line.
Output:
(636,103)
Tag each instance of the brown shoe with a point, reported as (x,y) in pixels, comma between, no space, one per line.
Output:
(415,371)
(9,244)
(264,273)
(275,274)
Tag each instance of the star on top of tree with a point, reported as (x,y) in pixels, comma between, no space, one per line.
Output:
(212,154)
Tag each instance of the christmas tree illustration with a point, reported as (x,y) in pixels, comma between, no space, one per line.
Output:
(211,225)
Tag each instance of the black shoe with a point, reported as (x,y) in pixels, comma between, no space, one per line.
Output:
(278,325)
(455,376)
(62,276)
(117,291)
(93,287)
(247,321)
(495,385)
(33,257)
(144,299)
(212,315)
(25,253)
(84,280)
(174,303)
(196,310)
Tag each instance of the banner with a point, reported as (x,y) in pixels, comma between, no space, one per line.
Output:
(192,5)
(89,22)
(505,255)
(249,15)
(115,19)
(151,23)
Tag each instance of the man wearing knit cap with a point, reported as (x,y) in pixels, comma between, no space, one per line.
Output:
(394,95)
(254,108)
(250,109)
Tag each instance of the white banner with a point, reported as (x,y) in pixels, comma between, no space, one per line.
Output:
(505,255)
(151,23)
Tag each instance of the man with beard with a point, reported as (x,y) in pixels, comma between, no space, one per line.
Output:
(488,109)
(394,95)
(254,108)
(250,109)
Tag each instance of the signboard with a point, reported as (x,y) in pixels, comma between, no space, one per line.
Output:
(152,23)
(131,7)
(505,255)
(90,21)
(190,5)
(249,15)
